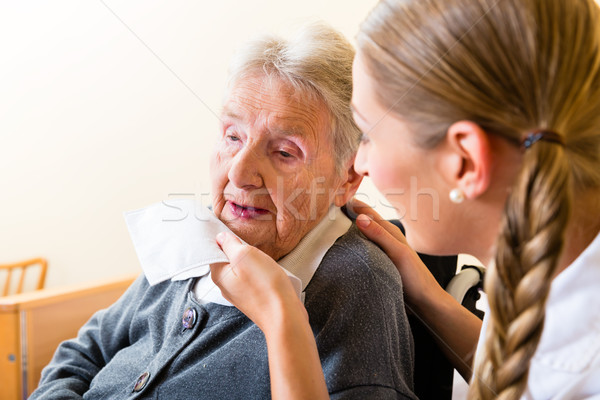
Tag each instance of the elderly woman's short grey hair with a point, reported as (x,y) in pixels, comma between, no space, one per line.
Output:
(316,61)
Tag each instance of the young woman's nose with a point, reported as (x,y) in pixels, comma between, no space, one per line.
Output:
(360,162)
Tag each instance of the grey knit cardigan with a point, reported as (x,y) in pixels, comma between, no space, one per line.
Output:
(139,348)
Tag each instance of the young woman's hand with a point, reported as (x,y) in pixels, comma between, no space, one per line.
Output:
(259,287)
(455,328)
(419,284)
(254,282)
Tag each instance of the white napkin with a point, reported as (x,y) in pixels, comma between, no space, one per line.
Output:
(176,240)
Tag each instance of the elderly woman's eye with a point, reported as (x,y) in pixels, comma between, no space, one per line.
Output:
(285,151)
(233,138)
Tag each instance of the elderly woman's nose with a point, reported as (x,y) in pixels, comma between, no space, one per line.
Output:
(244,171)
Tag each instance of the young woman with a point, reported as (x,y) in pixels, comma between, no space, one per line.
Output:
(495,105)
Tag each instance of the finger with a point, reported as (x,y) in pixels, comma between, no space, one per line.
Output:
(230,244)
(219,271)
(359,207)
(364,221)
(388,237)
(216,269)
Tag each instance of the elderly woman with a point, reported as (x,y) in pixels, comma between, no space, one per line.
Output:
(277,187)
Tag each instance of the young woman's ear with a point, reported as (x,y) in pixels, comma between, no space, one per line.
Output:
(349,187)
(467,160)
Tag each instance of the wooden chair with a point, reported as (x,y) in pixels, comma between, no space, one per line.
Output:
(33,324)
(23,267)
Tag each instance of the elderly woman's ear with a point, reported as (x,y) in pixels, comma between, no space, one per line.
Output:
(350,182)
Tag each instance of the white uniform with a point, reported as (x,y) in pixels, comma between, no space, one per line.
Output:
(566,364)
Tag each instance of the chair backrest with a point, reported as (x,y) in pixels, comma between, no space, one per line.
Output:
(21,268)
(434,374)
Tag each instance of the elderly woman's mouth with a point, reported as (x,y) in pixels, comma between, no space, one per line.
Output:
(246,211)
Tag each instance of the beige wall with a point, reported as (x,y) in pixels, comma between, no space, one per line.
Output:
(107,107)
(92,123)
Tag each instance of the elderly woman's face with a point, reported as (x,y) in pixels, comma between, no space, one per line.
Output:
(273,171)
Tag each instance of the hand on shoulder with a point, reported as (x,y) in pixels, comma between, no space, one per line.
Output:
(420,286)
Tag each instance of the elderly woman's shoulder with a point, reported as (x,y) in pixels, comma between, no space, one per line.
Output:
(355,260)
(355,281)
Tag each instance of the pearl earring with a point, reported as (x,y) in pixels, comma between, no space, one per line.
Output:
(457,196)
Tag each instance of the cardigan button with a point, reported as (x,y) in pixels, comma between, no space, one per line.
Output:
(190,316)
(141,382)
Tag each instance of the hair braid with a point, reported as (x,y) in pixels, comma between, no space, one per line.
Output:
(528,249)
(510,66)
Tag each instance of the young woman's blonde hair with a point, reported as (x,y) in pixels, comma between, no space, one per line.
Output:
(513,67)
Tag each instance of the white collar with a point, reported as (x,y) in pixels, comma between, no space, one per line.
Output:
(301,263)
(305,258)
